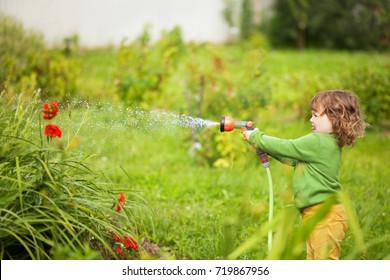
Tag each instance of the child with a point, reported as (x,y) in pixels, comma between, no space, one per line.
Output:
(336,121)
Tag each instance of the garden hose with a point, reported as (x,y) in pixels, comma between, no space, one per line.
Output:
(271,207)
(266,164)
(228,124)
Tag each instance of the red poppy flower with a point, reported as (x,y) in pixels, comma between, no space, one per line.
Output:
(130,242)
(53,131)
(122,197)
(50,111)
(127,241)
(121,202)
(116,237)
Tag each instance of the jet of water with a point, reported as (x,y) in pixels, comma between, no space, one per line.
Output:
(110,116)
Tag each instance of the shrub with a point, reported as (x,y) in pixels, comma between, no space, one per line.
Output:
(52,204)
(372,86)
(26,64)
(144,67)
(353,25)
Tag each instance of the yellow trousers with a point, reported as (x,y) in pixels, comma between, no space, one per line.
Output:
(324,241)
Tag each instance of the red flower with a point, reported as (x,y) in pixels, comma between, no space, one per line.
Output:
(122,197)
(116,237)
(130,242)
(50,111)
(53,131)
(127,241)
(121,202)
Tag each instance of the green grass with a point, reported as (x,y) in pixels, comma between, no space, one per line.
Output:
(97,71)
(320,61)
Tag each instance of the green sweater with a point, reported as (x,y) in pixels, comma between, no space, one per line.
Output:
(316,158)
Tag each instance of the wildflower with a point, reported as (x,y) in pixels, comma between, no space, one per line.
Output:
(53,131)
(122,197)
(121,202)
(126,241)
(50,111)
(130,242)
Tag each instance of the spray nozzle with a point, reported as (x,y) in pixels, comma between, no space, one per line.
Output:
(228,124)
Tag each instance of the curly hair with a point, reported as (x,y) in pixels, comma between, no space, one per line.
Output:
(343,110)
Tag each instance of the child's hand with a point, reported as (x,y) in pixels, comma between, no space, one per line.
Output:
(247,133)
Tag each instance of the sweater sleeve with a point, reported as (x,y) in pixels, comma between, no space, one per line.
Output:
(303,149)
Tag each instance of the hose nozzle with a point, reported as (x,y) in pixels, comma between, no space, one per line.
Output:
(228,124)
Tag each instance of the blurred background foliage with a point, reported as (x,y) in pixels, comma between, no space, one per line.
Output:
(333,24)
(27,64)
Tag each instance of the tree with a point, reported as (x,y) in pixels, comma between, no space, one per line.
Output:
(299,9)
(337,24)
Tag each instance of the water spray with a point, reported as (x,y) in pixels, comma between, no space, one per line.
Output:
(229,124)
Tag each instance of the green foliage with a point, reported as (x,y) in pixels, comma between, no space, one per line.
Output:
(143,67)
(239,88)
(247,25)
(148,74)
(56,75)
(240,14)
(353,25)
(229,12)
(52,203)
(71,44)
(257,41)
(95,80)
(372,84)
(27,64)
(212,81)
(17,48)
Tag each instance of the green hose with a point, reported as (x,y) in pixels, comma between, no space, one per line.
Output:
(271,207)
(266,164)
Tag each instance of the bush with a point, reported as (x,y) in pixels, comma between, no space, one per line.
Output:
(372,85)
(52,204)
(27,64)
(143,67)
(353,25)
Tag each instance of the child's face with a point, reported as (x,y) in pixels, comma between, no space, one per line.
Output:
(320,122)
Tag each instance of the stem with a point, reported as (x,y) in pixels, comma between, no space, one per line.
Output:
(40,131)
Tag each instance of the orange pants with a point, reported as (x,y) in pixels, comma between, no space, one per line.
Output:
(324,241)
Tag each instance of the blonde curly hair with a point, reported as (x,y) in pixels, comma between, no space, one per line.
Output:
(343,110)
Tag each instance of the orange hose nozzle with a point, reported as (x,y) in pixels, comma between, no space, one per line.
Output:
(228,124)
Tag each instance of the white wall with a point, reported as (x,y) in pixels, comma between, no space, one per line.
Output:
(103,22)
